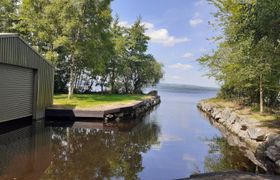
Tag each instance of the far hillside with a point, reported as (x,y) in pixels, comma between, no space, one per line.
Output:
(183,88)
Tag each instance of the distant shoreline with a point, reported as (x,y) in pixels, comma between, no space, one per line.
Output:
(188,86)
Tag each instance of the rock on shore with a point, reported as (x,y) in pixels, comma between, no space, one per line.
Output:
(262,140)
(231,175)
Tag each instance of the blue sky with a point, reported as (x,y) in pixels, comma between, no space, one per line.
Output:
(178,30)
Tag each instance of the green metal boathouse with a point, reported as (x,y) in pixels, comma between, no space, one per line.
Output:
(26,80)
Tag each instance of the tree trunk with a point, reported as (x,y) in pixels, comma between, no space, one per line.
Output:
(77,81)
(261,95)
(72,79)
(113,82)
(102,87)
(71,84)
(90,86)
(126,85)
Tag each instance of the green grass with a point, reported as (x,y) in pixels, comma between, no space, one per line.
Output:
(95,100)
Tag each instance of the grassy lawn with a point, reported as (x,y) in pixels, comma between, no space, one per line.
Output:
(85,101)
(251,112)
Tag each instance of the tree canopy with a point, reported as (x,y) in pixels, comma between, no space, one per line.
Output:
(246,61)
(85,43)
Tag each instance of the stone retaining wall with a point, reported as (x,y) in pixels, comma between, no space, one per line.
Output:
(114,113)
(231,175)
(135,111)
(263,143)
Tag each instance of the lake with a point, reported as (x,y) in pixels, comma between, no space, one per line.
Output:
(174,140)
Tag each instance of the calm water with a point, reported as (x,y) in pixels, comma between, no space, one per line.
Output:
(173,141)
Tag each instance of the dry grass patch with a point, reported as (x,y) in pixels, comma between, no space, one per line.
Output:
(243,110)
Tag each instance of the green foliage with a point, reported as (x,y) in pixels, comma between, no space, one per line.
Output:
(131,68)
(246,62)
(87,48)
(8,16)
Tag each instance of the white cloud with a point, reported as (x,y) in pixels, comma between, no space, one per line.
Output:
(148,25)
(124,24)
(188,55)
(160,36)
(200,2)
(128,25)
(180,66)
(195,21)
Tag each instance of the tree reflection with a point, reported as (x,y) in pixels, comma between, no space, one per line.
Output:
(96,154)
(221,157)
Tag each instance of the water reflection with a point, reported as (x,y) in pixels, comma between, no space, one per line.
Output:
(82,150)
(115,151)
(222,157)
(25,152)
(166,144)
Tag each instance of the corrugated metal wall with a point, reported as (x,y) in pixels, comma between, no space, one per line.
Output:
(15,51)
(15,102)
